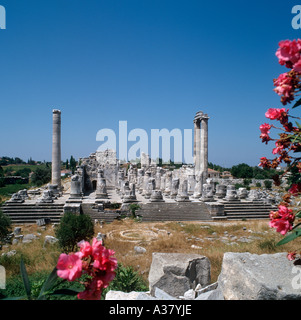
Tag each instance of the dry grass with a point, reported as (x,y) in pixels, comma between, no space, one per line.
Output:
(177,237)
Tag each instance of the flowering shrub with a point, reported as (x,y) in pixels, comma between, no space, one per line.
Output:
(95,261)
(287,146)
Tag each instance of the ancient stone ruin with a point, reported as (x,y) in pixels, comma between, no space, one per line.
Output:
(101,182)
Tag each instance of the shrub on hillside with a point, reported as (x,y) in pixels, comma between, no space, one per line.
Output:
(41,176)
(72,229)
(5,226)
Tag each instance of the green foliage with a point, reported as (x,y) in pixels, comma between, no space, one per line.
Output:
(269,245)
(5,226)
(292,236)
(4,161)
(24,172)
(126,280)
(267,184)
(12,188)
(133,207)
(115,205)
(41,175)
(39,287)
(242,171)
(72,164)
(72,229)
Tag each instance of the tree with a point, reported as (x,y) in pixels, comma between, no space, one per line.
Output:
(72,229)
(5,226)
(72,164)
(41,176)
(241,171)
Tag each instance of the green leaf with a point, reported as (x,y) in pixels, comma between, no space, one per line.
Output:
(298,103)
(25,279)
(67,292)
(290,237)
(298,124)
(298,214)
(14,298)
(50,281)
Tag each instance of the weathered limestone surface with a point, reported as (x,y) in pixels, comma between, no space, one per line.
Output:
(56,148)
(175,273)
(246,276)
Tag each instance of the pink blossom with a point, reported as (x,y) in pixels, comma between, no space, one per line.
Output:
(265,128)
(264,162)
(104,260)
(275,114)
(295,189)
(291,255)
(85,249)
(283,210)
(69,266)
(281,225)
(282,220)
(297,66)
(278,148)
(288,52)
(92,290)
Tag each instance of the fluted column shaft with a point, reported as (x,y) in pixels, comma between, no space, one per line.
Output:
(204,147)
(197,145)
(56,148)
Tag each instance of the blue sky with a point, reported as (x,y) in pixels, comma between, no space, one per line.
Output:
(153,63)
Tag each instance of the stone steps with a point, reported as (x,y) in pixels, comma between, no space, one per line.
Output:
(106,216)
(247,210)
(181,211)
(30,213)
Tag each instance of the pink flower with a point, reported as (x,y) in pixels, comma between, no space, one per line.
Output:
(288,52)
(295,189)
(69,266)
(291,255)
(281,225)
(285,85)
(282,220)
(275,114)
(92,291)
(278,148)
(264,162)
(284,211)
(104,260)
(297,66)
(96,247)
(85,249)
(265,128)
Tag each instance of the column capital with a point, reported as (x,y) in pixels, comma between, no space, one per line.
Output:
(200,115)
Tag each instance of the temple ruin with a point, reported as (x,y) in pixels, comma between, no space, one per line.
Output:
(101,182)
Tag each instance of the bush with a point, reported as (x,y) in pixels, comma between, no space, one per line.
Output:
(126,280)
(72,229)
(5,226)
(268,184)
(133,207)
(41,176)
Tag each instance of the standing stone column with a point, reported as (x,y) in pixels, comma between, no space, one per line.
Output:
(56,149)
(204,146)
(197,144)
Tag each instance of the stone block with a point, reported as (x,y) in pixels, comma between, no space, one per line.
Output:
(246,276)
(176,273)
